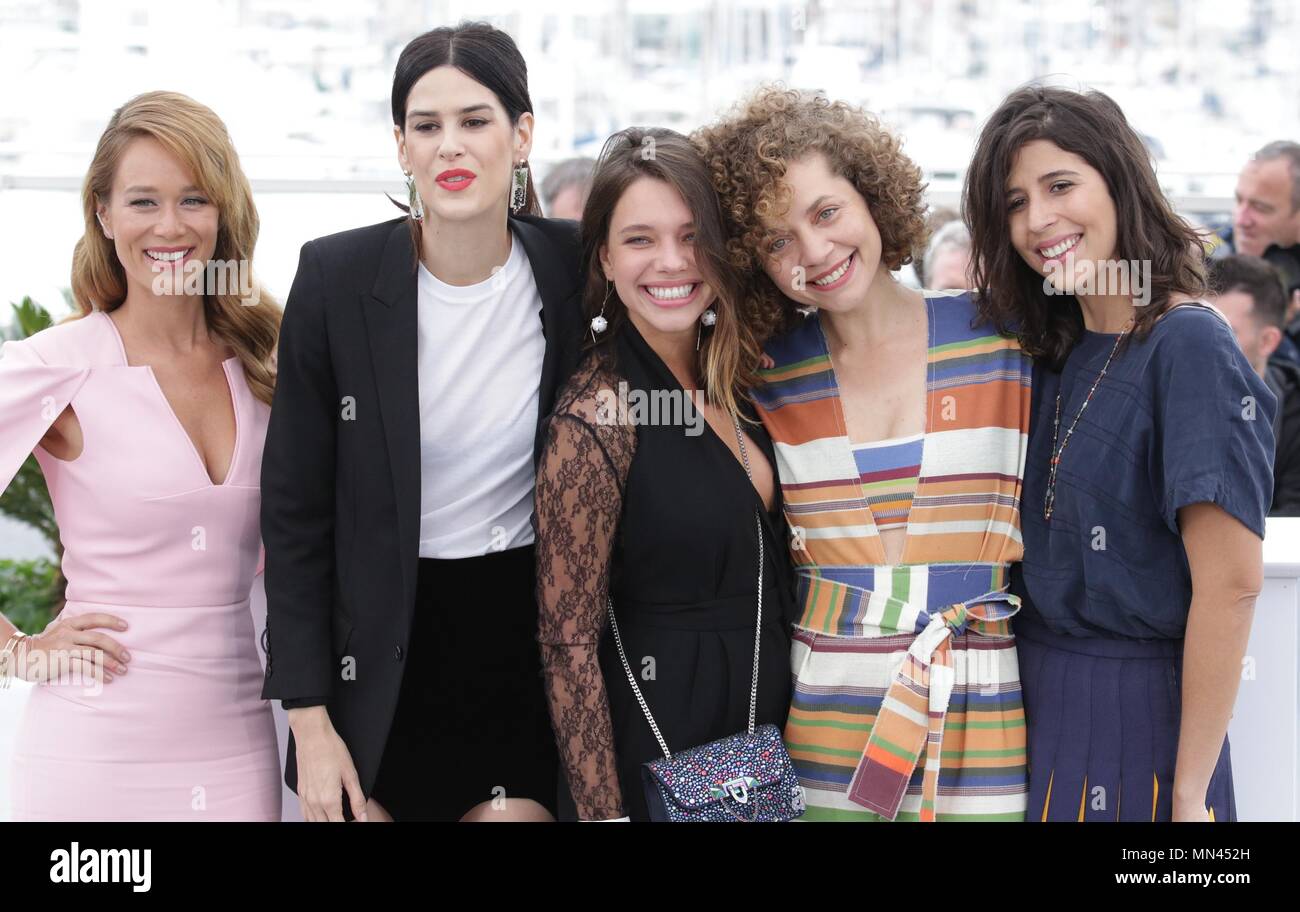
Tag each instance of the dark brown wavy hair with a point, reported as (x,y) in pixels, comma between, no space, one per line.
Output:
(728,358)
(1091,125)
(748,152)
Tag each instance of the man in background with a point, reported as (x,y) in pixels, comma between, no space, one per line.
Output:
(565,188)
(1266,223)
(947,258)
(935,219)
(1249,292)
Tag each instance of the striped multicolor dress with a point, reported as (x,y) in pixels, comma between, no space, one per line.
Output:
(907,699)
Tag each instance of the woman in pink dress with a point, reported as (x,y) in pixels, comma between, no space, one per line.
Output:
(147,414)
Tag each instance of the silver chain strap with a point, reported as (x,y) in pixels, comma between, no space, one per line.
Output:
(758,630)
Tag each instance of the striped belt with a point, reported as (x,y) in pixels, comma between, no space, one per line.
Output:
(915,708)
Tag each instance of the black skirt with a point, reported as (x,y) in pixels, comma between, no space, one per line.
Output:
(471,724)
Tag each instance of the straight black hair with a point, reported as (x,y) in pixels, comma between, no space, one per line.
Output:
(482,52)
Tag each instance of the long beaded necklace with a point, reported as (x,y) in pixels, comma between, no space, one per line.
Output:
(1049,499)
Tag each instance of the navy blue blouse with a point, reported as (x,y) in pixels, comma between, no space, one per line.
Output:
(1180,418)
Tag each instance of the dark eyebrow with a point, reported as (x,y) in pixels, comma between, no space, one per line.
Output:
(1049,176)
(189,189)
(817,203)
(470,110)
(650,227)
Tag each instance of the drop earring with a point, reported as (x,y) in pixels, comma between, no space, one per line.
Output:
(598,323)
(708,318)
(519,186)
(416,204)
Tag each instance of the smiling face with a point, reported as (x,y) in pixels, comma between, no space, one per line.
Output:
(649,255)
(1059,210)
(157,217)
(460,145)
(1263,215)
(824,250)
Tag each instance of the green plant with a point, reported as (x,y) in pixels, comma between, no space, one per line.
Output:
(24,586)
(29,592)
(29,319)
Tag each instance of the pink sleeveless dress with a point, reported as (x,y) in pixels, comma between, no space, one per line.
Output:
(184,734)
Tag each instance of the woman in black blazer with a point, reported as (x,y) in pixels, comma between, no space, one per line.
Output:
(399,462)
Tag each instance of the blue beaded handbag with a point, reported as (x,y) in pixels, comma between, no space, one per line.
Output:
(746,777)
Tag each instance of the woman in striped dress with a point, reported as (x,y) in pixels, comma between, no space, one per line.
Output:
(900,436)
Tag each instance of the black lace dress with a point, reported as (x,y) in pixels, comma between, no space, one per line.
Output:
(664,521)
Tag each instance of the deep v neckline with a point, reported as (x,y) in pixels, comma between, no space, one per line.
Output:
(637,341)
(877,543)
(180,426)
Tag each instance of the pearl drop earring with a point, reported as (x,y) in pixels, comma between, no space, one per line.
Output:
(598,323)
(708,318)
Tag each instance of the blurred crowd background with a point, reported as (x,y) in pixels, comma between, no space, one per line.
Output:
(304,87)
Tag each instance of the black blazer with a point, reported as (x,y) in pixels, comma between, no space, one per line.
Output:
(341,468)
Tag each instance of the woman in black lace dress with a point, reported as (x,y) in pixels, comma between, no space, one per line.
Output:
(648,499)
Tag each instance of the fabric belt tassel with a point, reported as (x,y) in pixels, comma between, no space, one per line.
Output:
(912,716)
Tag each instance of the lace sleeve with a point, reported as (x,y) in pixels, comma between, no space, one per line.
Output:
(579,500)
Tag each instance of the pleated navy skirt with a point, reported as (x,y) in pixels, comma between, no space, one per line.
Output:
(1103,717)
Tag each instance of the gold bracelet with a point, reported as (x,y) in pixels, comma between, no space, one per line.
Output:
(7,657)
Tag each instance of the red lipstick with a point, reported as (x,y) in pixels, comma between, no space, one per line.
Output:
(456,179)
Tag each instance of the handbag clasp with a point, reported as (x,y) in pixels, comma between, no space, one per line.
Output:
(737,789)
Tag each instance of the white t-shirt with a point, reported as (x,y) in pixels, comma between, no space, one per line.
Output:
(480,362)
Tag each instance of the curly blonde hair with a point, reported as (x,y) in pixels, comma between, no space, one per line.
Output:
(748,153)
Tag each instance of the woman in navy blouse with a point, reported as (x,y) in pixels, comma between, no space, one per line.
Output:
(1149,467)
